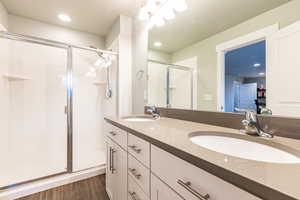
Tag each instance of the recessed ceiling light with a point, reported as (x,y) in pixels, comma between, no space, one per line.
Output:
(257,65)
(157,44)
(64,18)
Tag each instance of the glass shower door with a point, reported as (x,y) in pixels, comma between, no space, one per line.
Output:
(157,84)
(33,96)
(89,87)
(180,88)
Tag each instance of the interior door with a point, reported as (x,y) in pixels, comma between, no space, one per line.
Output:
(247,96)
(283,83)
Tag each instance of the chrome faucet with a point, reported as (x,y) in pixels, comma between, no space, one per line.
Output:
(153,111)
(252,125)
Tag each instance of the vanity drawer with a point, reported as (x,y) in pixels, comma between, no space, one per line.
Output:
(134,191)
(139,173)
(140,149)
(187,179)
(160,191)
(117,135)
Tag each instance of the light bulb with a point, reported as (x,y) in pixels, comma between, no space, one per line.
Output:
(151,6)
(180,5)
(149,25)
(157,20)
(169,15)
(144,15)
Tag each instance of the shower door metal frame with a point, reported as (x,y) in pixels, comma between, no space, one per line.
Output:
(69,72)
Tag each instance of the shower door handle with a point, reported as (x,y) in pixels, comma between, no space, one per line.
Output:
(66,110)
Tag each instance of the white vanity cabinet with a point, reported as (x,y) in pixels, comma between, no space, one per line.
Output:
(142,171)
(116,168)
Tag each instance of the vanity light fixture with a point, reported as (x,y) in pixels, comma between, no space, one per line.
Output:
(64,17)
(158,11)
(157,44)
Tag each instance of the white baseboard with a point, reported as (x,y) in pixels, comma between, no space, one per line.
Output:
(48,183)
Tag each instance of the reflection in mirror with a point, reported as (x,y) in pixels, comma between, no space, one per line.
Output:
(207,59)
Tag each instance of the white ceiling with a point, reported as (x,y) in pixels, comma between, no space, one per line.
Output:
(94,16)
(204,18)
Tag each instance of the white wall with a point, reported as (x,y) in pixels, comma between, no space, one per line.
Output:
(113,34)
(3,17)
(125,66)
(139,67)
(30,27)
(120,39)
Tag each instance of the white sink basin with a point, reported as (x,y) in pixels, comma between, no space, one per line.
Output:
(139,119)
(243,148)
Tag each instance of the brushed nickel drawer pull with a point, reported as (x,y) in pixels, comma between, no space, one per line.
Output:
(188,187)
(134,148)
(113,170)
(135,174)
(133,196)
(110,158)
(112,133)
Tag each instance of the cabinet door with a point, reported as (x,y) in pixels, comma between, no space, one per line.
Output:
(109,175)
(160,191)
(116,171)
(119,170)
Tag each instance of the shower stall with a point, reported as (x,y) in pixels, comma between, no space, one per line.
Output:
(52,101)
(170,85)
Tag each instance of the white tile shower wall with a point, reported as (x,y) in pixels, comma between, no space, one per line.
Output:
(110,104)
(35,138)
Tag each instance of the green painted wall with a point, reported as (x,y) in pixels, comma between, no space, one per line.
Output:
(205,50)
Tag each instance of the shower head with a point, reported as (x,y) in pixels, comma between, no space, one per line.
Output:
(104,60)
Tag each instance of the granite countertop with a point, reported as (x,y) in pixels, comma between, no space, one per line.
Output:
(266,180)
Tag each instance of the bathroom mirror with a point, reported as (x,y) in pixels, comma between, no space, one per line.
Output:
(221,55)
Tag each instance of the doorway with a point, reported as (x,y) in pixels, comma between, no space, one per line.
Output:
(245,77)
(254,38)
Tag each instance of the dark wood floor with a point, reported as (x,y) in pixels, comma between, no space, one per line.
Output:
(89,189)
